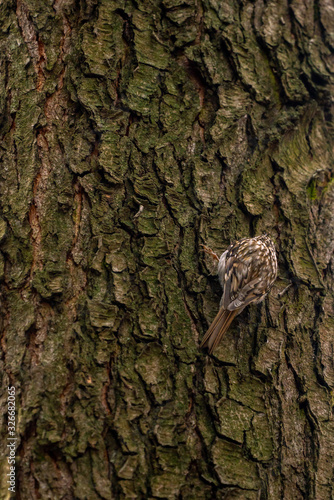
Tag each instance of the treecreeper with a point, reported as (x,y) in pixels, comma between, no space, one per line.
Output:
(246,271)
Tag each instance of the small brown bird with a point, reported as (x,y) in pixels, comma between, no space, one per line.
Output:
(246,271)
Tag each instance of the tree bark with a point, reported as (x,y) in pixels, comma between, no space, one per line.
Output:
(132,133)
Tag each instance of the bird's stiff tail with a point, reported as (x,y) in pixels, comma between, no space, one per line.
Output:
(217,329)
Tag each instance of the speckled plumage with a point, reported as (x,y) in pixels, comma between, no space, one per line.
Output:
(246,271)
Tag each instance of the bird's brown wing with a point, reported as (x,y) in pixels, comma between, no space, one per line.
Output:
(242,277)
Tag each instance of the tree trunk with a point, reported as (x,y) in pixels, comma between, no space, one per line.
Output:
(132,133)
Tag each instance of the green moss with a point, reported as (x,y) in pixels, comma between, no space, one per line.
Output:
(233,467)
(312,189)
(153,367)
(259,439)
(234,419)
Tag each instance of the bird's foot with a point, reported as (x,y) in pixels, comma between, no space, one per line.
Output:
(284,291)
(210,252)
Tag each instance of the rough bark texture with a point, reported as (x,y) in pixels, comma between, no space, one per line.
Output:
(132,132)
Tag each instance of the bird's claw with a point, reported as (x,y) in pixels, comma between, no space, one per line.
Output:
(210,252)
